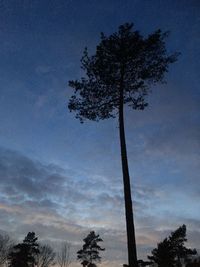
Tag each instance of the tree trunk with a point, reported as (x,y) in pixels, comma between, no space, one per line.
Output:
(132,253)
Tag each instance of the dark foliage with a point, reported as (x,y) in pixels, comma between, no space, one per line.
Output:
(163,255)
(24,254)
(177,240)
(171,250)
(89,254)
(124,59)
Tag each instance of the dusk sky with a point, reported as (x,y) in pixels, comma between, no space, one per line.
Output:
(63,179)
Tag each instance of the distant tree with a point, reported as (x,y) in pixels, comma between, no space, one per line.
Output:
(89,254)
(45,257)
(121,72)
(171,250)
(63,256)
(5,246)
(24,254)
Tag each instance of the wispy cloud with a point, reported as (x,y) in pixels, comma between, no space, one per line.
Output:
(45,199)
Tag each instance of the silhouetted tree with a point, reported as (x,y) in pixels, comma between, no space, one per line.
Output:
(89,254)
(177,240)
(24,254)
(163,255)
(5,248)
(121,72)
(63,256)
(45,257)
(171,250)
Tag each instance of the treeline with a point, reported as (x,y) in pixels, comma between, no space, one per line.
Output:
(31,253)
(171,252)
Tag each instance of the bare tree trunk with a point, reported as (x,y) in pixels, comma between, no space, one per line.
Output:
(132,253)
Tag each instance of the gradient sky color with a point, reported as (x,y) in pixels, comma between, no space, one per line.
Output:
(61,178)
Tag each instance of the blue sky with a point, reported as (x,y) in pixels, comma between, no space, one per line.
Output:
(61,178)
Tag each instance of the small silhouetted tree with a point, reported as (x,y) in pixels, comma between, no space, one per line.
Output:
(89,254)
(45,257)
(172,250)
(63,256)
(121,72)
(24,254)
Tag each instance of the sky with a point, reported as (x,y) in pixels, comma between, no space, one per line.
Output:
(63,179)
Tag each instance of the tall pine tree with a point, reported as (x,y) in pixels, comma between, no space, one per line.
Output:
(121,72)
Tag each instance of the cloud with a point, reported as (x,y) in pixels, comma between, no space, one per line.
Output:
(60,204)
(42,198)
(10,209)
